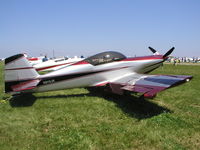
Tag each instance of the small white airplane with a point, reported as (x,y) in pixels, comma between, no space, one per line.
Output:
(35,60)
(110,70)
(55,64)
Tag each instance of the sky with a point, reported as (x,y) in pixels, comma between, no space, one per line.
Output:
(87,27)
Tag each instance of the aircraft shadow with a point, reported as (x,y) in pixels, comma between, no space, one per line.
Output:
(24,100)
(135,107)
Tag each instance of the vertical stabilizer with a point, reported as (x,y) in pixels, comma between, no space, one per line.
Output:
(17,70)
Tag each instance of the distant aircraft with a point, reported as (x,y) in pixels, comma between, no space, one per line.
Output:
(36,60)
(110,70)
(54,64)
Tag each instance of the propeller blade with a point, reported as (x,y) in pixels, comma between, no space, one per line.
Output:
(169,52)
(153,50)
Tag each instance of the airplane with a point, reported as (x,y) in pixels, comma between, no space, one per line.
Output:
(110,70)
(35,60)
(57,63)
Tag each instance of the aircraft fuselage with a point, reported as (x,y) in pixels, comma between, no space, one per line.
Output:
(84,74)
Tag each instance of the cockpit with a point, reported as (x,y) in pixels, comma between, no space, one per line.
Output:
(105,57)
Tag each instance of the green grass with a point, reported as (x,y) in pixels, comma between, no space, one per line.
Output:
(77,119)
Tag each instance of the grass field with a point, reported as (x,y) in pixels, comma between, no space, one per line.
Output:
(77,119)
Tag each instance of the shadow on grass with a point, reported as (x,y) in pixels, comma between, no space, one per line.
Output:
(139,108)
(24,100)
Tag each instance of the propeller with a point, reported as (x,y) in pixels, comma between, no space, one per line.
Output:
(169,52)
(153,50)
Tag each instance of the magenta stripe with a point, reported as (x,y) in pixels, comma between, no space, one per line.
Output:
(143,58)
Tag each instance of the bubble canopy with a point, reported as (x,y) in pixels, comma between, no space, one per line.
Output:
(105,57)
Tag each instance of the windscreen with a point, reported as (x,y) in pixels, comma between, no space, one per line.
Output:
(105,57)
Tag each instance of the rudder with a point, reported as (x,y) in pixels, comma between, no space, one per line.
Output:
(18,69)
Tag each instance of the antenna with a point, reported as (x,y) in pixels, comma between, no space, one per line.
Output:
(53,54)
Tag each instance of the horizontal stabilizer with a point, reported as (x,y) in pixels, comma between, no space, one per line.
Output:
(27,85)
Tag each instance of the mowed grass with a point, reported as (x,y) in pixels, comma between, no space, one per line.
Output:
(78,119)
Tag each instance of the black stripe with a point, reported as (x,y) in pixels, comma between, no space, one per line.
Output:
(72,76)
(66,77)
(12,58)
(49,80)
(152,66)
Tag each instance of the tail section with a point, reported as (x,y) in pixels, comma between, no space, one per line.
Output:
(18,72)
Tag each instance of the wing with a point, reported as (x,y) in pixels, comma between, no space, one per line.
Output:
(148,85)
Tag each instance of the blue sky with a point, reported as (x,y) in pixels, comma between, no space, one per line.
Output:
(86,27)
